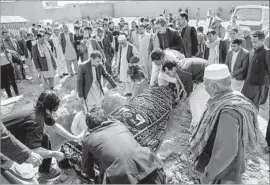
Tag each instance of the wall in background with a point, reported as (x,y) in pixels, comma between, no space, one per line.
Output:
(30,10)
(34,11)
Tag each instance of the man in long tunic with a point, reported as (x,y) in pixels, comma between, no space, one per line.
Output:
(59,55)
(258,72)
(125,52)
(227,127)
(144,44)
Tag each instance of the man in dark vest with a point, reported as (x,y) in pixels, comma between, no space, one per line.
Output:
(169,37)
(188,34)
(125,52)
(258,75)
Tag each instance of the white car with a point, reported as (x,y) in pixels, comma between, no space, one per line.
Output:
(256,17)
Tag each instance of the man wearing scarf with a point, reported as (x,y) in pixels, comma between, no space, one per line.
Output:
(216,49)
(227,127)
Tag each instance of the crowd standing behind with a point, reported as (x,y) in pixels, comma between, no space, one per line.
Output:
(235,74)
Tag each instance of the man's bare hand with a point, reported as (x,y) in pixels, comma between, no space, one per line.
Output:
(58,155)
(34,159)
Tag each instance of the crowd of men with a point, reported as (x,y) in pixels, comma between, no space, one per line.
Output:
(235,73)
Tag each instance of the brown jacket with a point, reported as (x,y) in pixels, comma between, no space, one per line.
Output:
(85,78)
(41,62)
(241,64)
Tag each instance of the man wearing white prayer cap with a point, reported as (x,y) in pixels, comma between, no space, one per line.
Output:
(227,127)
(125,52)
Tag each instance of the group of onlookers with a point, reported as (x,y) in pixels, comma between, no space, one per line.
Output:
(100,50)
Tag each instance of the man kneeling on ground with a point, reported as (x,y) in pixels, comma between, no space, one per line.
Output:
(119,157)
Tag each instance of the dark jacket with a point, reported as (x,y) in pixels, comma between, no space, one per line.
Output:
(64,42)
(26,125)
(29,47)
(186,79)
(41,62)
(190,40)
(222,52)
(22,45)
(173,39)
(241,64)
(77,41)
(259,68)
(196,68)
(11,149)
(51,44)
(120,158)
(85,78)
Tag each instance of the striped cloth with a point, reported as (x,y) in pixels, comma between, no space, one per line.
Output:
(232,100)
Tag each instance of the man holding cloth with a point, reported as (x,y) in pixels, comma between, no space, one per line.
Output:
(125,53)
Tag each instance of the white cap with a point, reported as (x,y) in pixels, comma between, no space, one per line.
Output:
(216,72)
(122,37)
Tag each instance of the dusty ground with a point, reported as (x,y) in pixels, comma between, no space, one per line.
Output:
(174,149)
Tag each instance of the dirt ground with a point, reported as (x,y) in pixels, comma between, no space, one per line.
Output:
(174,149)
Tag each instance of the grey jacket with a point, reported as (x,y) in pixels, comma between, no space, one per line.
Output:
(241,64)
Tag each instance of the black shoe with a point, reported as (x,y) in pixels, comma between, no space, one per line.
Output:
(128,94)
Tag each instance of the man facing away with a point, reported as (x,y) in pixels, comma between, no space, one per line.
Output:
(189,35)
(119,157)
(237,62)
(258,71)
(227,127)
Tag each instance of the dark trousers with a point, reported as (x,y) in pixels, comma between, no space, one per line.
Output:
(268,133)
(20,72)
(108,65)
(156,177)
(7,78)
(46,163)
